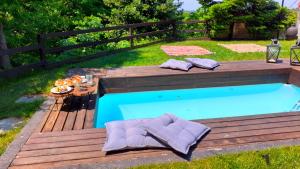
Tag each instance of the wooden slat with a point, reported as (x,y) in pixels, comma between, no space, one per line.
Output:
(250,139)
(13,51)
(89,120)
(43,121)
(61,144)
(52,118)
(66,138)
(67,133)
(60,121)
(85,160)
(254,121)
(70,120)
(79,122)
(63,150)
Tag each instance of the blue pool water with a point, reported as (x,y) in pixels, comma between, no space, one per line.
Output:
(199,103)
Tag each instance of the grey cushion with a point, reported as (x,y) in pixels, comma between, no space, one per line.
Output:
(177,133)
(176,64)
(203,63)
(127,135)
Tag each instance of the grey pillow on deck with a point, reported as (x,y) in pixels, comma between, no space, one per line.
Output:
(128,134)
(178,133)
(203,63)
(176,64)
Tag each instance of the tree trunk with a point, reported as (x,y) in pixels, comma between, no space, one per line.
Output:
(4,59)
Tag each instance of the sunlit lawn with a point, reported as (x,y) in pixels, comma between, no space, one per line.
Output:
(280,158)
(41,81)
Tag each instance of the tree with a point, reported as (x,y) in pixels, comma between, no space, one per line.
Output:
(136,11)
(262,17)
(4,59)
(206,3)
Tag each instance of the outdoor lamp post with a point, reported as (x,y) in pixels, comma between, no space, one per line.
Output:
(273,51)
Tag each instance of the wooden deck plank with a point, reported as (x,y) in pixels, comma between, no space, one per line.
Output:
(89,120)
(81,161)
(62,144)
(70,120)
(45,118)
(52,119)
(67,133)
(63,150)
(60,121)
(66,138)
(79,122)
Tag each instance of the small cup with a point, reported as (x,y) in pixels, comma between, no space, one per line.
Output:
(89,79)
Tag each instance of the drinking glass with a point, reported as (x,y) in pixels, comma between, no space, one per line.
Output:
(89,79)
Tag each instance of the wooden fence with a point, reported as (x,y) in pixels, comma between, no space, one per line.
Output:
(169,28)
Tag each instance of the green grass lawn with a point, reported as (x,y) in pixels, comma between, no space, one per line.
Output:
(280,158)
(41,81)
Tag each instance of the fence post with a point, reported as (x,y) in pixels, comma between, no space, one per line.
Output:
(207,29)
(174,27)
(42,49)
(131,39)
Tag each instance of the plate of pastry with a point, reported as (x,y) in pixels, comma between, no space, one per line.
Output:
(61,89)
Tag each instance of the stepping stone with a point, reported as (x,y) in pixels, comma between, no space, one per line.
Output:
(244,48)
(185,50)
(9,123)
(29,99)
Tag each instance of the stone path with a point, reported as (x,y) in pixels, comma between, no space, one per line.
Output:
(244,48)
(9,123)
(185,50)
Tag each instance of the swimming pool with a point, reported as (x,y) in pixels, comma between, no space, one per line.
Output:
(199,103)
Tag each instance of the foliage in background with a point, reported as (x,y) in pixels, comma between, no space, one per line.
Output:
(137,11)
(24,19)
(263,18)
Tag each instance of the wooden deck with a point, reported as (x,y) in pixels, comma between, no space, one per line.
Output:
(227,74)
(66,135)
(53,149)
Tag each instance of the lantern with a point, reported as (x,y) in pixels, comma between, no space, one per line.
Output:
(294,55)
(273,51)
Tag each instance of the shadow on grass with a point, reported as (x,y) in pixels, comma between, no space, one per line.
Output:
(41,81)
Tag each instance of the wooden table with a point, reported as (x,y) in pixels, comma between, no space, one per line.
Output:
(84,90)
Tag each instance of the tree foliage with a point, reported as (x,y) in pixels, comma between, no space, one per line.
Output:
(135,11)
(24,19)
(262,17)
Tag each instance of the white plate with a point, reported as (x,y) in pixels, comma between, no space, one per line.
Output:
(53,90)
(84,80)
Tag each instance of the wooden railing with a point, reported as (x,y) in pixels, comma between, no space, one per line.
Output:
(170,28)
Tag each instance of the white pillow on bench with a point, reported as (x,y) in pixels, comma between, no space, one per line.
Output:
(176,64)
(203,63)
(178,133)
